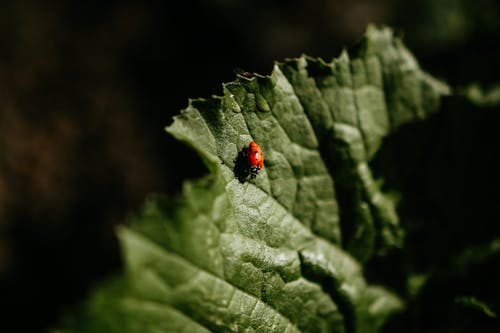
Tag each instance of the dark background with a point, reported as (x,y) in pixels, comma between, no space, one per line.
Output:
(87,88)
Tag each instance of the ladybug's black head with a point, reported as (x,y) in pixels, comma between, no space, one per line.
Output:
(254,171)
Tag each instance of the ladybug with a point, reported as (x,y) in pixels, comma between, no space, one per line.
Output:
(254,158)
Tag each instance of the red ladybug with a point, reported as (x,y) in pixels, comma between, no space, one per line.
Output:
(254,157)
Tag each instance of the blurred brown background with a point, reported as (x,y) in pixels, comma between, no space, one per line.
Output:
(87,88)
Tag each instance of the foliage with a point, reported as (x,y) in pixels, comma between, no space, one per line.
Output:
(286,251)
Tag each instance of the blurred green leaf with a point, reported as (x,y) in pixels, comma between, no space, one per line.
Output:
(482,97)
(282,252)
(473,303)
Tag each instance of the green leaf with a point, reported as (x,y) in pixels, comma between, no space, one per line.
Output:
(481,97)
(465,261)
(473,303)
(282,252)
